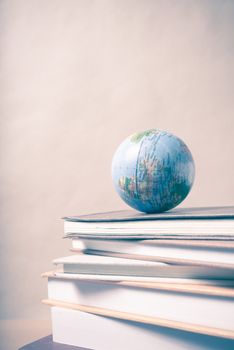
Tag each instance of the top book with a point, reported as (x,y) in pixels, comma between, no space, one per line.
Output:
(226,212)
(192,223)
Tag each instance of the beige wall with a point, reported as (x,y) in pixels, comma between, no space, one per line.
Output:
(76,78)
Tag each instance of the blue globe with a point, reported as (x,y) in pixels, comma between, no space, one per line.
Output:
(153,171)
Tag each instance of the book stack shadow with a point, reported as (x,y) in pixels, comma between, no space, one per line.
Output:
(156,281)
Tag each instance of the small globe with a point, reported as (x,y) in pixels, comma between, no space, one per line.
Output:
(153,171)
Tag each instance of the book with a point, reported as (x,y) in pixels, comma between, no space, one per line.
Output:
(217,253)
(81,263)
(146,281)
(102,333)
(105,265)
(224,212)
(170,281)
(182,223)
(47,343)
(191,305)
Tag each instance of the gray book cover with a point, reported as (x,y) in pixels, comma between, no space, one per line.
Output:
(226,212)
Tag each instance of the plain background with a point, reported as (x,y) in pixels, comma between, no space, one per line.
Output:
(77,77)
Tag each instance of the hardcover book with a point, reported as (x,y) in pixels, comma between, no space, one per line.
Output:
(182,223)
(192,305)
(213,253)
(102,333)
(105,265)
(226,212)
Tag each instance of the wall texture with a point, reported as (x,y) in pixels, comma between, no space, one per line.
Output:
(76,78)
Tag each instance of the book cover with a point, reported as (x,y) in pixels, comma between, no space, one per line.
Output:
(177,213)
(214,223)
(220,253)
(197,306)
(102,333)
(106,265)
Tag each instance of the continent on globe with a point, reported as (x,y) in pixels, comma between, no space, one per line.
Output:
(153,171)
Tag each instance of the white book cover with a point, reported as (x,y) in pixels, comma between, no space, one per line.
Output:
(208,307)
(214,253)
(94,264)
(170,281)
(100,333)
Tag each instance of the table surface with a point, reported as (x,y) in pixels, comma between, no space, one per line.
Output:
(46,343)
(16,333)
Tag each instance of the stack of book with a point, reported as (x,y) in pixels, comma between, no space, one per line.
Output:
(153,281)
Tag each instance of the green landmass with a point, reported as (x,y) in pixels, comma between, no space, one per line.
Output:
(135,138)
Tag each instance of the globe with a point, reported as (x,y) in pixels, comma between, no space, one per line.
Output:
(153,171)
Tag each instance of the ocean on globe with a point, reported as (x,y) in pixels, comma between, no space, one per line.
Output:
(153,171)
